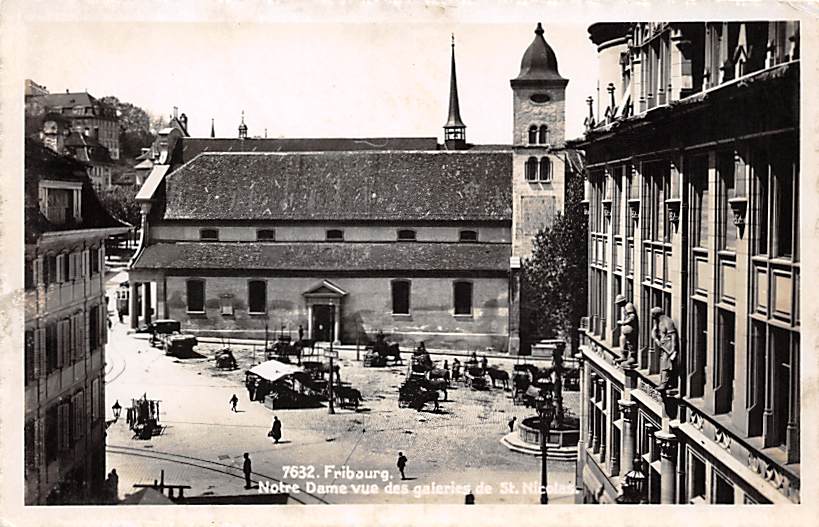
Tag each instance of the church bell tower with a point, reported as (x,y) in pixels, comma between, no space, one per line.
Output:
(454,129)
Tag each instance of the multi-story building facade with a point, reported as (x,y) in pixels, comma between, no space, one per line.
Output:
(693,204)
(65,330)
(88,115)
(347,236)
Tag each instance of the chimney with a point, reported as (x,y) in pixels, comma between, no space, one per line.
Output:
(175,110)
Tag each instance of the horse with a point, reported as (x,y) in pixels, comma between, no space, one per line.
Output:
(497,374)
(423,397)
(438,385)
(439,373)
(392,351)
(347,395)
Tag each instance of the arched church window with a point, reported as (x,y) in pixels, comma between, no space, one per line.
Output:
(543,135)
(533,134)
(545,169)
(531,169)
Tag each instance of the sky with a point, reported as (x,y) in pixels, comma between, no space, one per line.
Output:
(310,78)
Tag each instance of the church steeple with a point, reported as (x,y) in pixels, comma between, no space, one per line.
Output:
(454,129)
(243,127)
(212,129)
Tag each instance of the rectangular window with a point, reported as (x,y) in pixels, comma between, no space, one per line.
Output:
(266,235)
(226,305)
(728,231)
(696,485)
(401,297)
(723,490)
(463,298)
(257,296)
(724,363)
(756,377)
(52,433)
(93,328)
(66,267)
(95,400)
(94,254)
(781,349)
(28,279)
(335,235)
(196,296)
(29,358)
(211,235)
(78,409)
(51,274)
(52,351)
(406,235)
(468,236)
(783,203)
(698,176)
(64,426)
(761,206)
(699,349)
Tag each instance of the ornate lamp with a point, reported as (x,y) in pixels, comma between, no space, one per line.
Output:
(546,412)
(634,485)
(117,408)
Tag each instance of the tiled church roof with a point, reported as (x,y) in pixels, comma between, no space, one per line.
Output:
(350,186)
(328,256)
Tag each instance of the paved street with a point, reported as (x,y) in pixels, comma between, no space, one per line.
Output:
(203,441)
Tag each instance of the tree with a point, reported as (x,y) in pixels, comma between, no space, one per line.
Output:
(121,203)
(135,127)
(554,278)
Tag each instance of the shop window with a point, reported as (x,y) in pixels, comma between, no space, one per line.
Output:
(401,297)
(196,296)
(257,296)
(335,235)
(462,292)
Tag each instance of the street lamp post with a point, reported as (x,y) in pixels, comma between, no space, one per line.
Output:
(546,412)
(117,408)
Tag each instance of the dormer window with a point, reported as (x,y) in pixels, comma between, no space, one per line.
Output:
(335,235)
(543,135)
(60,201)
(468,236)
(406,235)
(533,134)
(266,235)
(209,235)
(545,170)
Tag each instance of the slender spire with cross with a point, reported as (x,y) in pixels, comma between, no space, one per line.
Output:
(212,128)
(454,129)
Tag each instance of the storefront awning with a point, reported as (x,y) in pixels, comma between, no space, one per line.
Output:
(274,370)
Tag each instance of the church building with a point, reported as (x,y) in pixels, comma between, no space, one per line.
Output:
(245,237)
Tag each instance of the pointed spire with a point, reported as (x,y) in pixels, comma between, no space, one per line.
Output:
(243,127)
(454,129)
(212,128)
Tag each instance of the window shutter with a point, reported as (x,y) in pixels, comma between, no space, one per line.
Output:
(59,344)
(85,272)
(39,351)
(36,270)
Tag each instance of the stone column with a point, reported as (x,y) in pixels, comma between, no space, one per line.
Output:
(514,305)
(147,301)
(337,324)
(310,322)
(628,439)
(134,307)
(668,467)
(603,433)
(594,440)
(161,306)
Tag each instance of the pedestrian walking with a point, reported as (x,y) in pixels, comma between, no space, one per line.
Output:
(446,365)
(456,369)
(402,463)
(484,363)
(301,332)
(247,469)
(119,314)
(233,402)
(276,430)
(512,424)
(113,486)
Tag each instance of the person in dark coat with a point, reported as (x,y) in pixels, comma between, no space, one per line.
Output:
(301,332)
(402,463)
(484,363)
(247,469)
(233,402)
(276,431)
(512,424)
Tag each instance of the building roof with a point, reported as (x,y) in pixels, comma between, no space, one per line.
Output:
(42,163)
(68,99)
(87,148)
(327,256)
(539,62)
(191,147)
(350,186)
